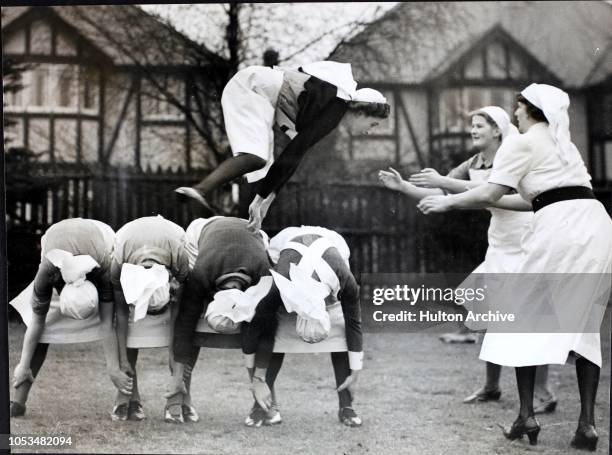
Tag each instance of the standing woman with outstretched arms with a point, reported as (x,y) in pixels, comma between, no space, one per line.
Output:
(571,234)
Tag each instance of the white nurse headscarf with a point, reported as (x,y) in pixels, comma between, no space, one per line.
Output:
(79,297)
(145,288)
(230,307)
(341,75)
(554,103)
(500,117)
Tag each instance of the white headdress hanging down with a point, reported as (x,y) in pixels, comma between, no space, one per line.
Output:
(500,117)
(341,75)
(305,296)
(230,307)
(554,103)
(145,288)
(79,297)
(280,240)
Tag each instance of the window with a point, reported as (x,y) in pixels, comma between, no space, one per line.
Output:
(156,98)
(40,87)
(56,88)
(66,86)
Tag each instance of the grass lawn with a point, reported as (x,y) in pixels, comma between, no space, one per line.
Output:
(409,397)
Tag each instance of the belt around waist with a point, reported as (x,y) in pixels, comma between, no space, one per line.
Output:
(565,193)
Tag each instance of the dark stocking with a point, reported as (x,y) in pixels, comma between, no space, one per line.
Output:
(342,370)
(525,380)
(587,374)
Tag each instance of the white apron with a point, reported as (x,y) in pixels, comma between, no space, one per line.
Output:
(581,244)
(205,336)
(154,331)
(58,328)
(504,253)
(249,103)
(287,340)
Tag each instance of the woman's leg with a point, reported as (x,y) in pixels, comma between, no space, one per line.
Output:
(187,376)
(228,170)
(493,374)
(22,392)
(526,422)
(491,390)
(586,436)
(276,362)
(541,383)
(342,370)
(545,400)
(258,416)
(587,374)
(525,381)
(132,357)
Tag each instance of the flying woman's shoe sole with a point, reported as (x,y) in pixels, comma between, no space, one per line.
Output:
(187,193)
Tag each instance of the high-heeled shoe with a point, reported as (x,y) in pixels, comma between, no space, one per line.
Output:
(520,427)
(482,395)
(545,406)
(586,437)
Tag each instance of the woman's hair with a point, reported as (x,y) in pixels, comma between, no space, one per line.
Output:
(533,111)
(380,110)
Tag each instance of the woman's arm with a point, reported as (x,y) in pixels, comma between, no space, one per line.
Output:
(258,344)
(513,202)
(393,180)
(23,372)
(482,196)
(176,294)
(349,299)
(41,301)
(456,185)
(120,379)
(123,315)
(457,180)
(288,161)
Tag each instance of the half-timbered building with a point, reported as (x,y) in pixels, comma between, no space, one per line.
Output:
(98,92)
(436,61)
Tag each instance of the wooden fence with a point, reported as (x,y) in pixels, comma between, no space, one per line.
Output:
(383,229)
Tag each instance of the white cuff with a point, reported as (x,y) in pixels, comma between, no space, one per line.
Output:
(356,360)
(249,360)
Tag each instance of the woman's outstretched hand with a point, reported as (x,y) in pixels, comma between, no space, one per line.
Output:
(427,178)
(391,179)
(434,204)
(258,211)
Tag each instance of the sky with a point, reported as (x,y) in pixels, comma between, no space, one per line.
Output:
(300,32)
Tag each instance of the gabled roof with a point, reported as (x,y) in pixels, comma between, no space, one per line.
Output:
(121,32)
(409,43)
